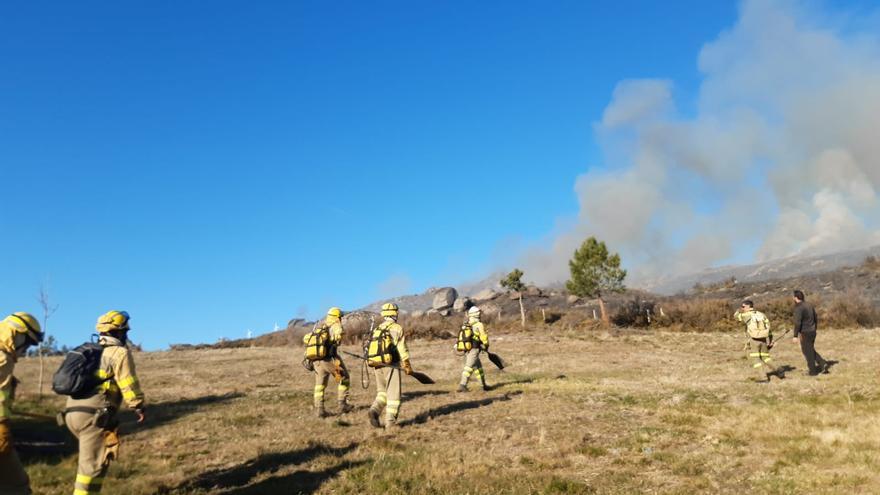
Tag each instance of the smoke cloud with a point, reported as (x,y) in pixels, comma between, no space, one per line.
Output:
(779,156)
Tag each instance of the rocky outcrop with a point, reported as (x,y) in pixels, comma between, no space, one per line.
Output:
(485,295)
(462,304)
(444,298)
(533,291)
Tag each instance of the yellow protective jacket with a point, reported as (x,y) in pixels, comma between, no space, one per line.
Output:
(480,335)
(8,358)
(398,339)
(336,333)
(121,385)
(757,323)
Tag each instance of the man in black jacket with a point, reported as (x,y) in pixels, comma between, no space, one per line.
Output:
(805,325)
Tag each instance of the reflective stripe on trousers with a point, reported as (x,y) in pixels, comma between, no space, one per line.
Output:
(87,484)
(472,366)
(387,393)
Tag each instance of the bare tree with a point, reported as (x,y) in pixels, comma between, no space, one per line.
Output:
(48,311)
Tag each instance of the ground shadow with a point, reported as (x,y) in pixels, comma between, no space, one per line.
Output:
(41,440)
(422,393)
(161,413)
(239,476)
(455,407)
(829,363)
(782,370)
(300,482)
(521,381)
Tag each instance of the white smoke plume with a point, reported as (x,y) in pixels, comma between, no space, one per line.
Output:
(779,156)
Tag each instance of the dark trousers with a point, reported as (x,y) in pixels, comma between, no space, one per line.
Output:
(808,346)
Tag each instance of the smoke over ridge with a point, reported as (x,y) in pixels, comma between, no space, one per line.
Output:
(779,156)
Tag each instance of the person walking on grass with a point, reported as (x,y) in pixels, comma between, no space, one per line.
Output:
(388,355)
(759,340)
(92,417)
(18,331)
(805,325)
(322,350)
(472,340)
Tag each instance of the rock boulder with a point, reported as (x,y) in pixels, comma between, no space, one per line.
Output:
(444,298)
(462,304)
(485,295)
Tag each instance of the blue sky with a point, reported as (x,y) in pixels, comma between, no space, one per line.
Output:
(213,170)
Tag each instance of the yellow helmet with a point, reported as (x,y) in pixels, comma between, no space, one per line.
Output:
(25,323)
(334,312)
(113,320)
(389,310)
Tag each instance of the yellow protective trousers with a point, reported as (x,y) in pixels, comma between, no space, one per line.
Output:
(759,353)
(387,394)
(13,479)
(97,447)
(323,371)
(472,367)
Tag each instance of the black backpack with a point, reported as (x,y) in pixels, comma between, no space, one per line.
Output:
(77,376)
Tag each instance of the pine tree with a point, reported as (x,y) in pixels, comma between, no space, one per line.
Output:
(513,282)
(595,272)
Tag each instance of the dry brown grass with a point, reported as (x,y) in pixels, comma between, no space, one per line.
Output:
(577,412)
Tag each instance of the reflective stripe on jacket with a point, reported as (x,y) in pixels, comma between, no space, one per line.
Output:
(121,383)
(480,334)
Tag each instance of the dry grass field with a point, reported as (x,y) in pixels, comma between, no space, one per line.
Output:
(620,412)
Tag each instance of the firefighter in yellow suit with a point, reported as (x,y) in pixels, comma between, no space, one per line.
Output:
(92,420)
(479,343)
(760,340)
(387,353)
(18,331)
(332,365)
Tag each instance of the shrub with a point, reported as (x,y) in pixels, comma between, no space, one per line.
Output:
(634,313)
(702,315)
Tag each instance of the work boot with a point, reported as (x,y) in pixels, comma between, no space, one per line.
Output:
(374,418)
(486,388)
(321,413)
(462,388)
(391,425)
(345,407)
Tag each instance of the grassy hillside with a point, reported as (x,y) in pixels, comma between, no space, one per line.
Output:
(624,413)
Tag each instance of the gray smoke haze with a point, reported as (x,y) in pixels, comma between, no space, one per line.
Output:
(778,155)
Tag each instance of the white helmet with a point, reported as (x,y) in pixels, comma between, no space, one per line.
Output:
(474,312)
